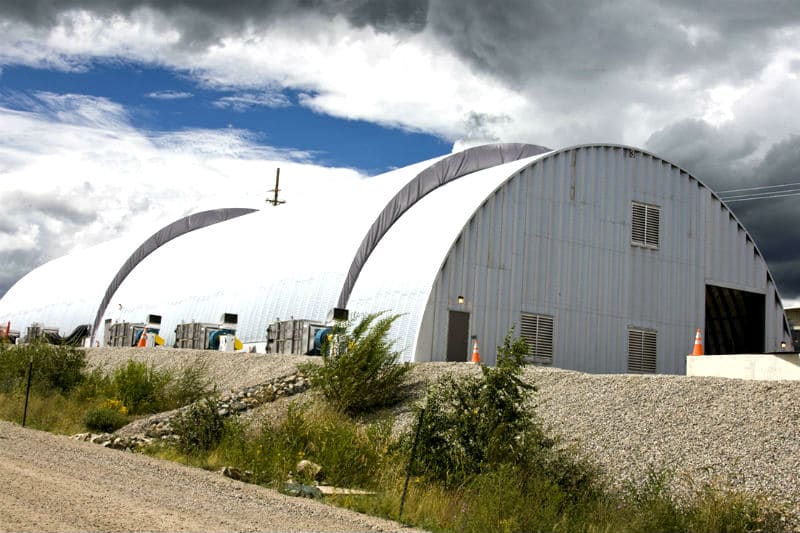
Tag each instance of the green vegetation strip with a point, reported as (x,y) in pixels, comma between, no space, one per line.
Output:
(483,462)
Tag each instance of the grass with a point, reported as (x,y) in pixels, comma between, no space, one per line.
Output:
(507,498)
(495,502)
(55,413)
(351,454)
(64,389)
(542,492)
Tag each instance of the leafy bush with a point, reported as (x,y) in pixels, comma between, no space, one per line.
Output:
(55,368)
(191,384)
(476,425)
(360,371)
(141,388)
(473,423)
(199,428)
(104,419)
(351,455)
(97,384)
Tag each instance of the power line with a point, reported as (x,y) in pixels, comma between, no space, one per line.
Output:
(763,196)
(761,187)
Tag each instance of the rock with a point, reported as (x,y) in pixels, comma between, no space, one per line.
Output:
(308,469)
(301,490)
(237,473)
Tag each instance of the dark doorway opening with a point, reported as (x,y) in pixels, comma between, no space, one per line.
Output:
(734,321)
(457,336)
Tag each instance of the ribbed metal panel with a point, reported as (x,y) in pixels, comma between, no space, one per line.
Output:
(562,229)
(400,272)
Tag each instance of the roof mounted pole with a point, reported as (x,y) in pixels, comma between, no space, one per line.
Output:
(275,200)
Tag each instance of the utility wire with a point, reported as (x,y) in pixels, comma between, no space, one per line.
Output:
(763,196)
(763,192)
(761,187)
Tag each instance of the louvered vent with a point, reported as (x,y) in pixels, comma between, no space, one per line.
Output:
(642,348)
(645,225)
(537,330)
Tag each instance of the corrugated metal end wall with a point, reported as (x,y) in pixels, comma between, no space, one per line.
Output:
(555,239)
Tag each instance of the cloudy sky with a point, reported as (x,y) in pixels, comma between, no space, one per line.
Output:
(126,113)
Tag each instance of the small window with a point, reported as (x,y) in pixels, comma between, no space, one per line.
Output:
(642,348)
(537,330)
(645,225)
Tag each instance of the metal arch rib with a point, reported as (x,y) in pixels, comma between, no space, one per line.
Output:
(440,173)
(156,240)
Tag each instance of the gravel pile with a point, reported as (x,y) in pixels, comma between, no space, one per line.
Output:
(229,371)
(736,433)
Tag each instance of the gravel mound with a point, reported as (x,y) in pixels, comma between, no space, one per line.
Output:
(735,433)
(228,370)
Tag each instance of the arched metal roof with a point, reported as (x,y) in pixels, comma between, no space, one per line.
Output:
(402,268)
(440,173)
(158,239)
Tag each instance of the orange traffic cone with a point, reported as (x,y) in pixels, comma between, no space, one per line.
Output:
(142,339)
(476,355)
(698,344)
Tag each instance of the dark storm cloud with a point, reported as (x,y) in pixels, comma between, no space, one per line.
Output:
(523,41)
(561,53)
(520,41)
(23,206)
(17,263)
(27,219)
(722,158)
(201,21)
(774,221)
(717,156)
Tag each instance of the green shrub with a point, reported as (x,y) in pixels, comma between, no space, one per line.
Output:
(480,424)
(351,455)
(189,385)
(714,510)
(199,428)
(55,368)
(141,387)
(653,506)
(97,384)
(104,419)
(360,370)
(473,423)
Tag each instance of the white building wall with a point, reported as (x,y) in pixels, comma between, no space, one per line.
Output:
(555,239)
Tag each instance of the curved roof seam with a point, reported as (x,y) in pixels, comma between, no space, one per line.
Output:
(158,239)
(440,173)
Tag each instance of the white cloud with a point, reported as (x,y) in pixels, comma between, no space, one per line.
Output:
(69,180)
(422,82)
(412,82)
(244,101)
(169,95)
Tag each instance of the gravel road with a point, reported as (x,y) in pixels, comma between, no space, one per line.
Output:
(53,483)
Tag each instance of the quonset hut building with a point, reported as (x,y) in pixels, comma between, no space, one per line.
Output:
(606,258)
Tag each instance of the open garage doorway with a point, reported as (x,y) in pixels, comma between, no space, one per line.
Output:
(734,321)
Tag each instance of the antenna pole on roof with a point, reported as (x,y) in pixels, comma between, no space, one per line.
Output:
(274,201)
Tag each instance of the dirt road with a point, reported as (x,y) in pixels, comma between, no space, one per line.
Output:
(53,483)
